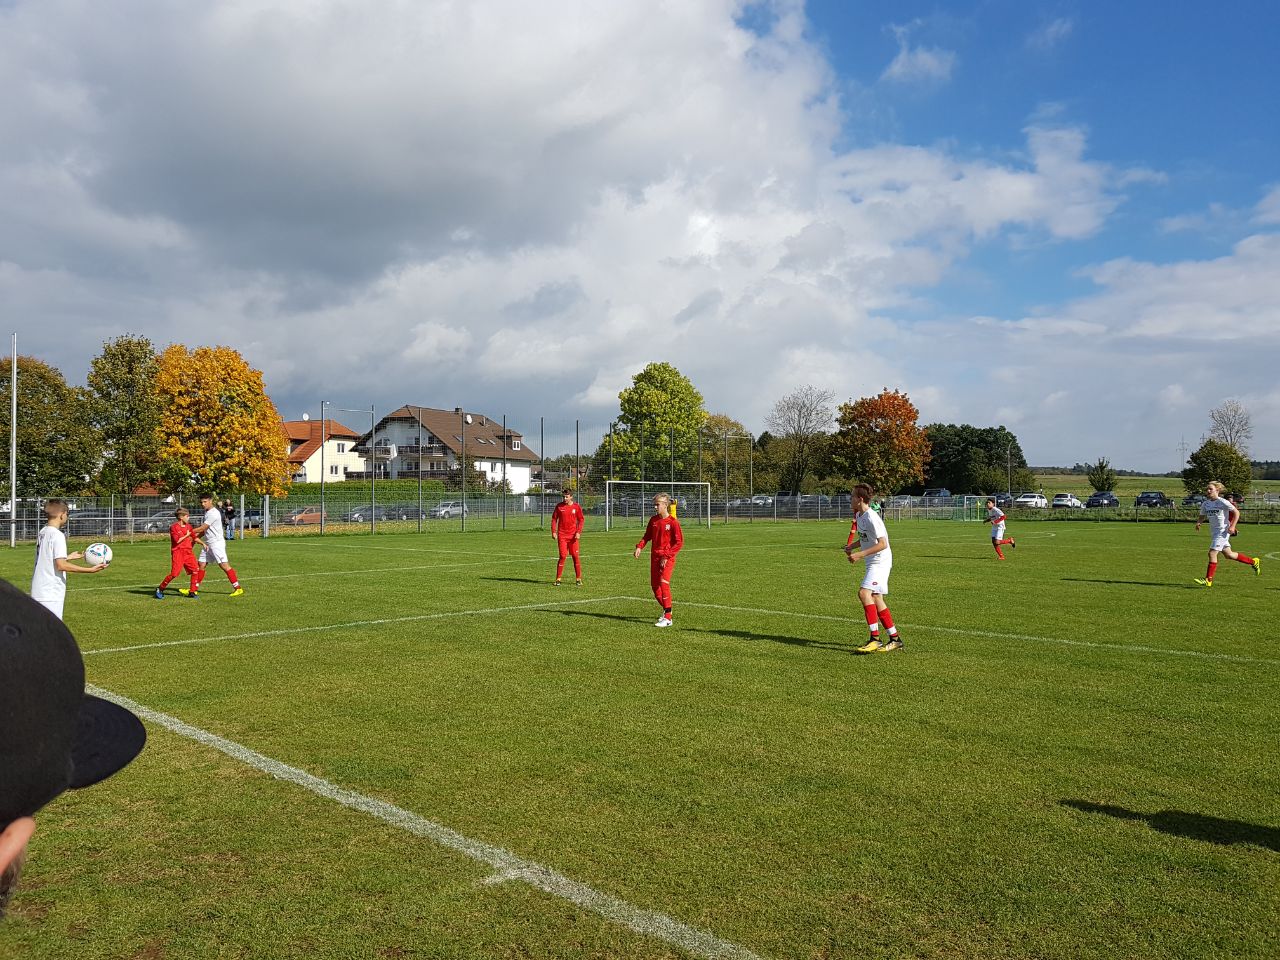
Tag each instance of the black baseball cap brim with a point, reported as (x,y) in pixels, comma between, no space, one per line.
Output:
(108,737)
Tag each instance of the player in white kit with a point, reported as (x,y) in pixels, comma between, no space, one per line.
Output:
(873,547)
(1223,516)
(53,563)
(215,547)
(995,517)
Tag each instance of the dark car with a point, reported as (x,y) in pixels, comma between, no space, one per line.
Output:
(1193,499)
(1152,498)
(1004,500)
(1103,498)
(937,493)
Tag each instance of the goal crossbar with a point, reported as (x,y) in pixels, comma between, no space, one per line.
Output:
(629,499)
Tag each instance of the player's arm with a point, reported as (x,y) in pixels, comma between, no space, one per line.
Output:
(582,520)
(677,537)
(64,565)
(196,531)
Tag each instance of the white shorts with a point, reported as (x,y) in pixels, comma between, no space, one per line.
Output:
(997,532)
(54,606)
(1221,543)
(876,579)
(216,551)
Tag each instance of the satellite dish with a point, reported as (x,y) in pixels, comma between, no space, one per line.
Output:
(467,418)
(306,417)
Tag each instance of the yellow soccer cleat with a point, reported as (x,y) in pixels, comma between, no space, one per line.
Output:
(892,645)
(1204,583)
(1257,566)
(871,646)
(238,592)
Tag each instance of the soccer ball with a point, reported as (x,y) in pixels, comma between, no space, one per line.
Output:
(97,553)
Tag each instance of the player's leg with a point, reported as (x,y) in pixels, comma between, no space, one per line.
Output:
(577,560)
(996,546)
(1210,570)
(175,568)
(563,546)
(668,570)
(894,641)
(867,598)
(655,583)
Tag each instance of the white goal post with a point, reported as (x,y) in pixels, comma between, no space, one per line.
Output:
(630,500)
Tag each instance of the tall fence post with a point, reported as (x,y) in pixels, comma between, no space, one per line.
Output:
(462,418)
(504,471)
(542,469)
(373,483)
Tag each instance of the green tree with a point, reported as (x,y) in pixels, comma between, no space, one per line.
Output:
(1101,476)
(58,450)
(878,442)
(218,431)
(125,410)
(738,451)
(1216,460)
(968,459)
(661,415)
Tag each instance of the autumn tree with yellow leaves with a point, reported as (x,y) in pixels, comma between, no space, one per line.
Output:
(218,430)
(879,442)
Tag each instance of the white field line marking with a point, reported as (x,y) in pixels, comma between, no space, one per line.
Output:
(288,631)
(505,864)
(1234,658)
(416,618)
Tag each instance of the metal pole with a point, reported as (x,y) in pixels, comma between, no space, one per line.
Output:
(542,468)
(324,442)
(462,462)
(1008,466)
(13,447)
(671,449)
(419,469)
(726,476)
(373,484)
(504,472)
(577,467)
(751,479)
(608,490)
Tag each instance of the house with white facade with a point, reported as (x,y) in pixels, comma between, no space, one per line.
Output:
(339,459)
(427,442)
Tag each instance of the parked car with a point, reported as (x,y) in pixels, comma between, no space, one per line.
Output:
(1103,498)
(249,520)
(1031,500)
(1004,500)
(761,500)
(90,523)
(364,513)
(303,515)
(156,523)
(1193,499)
(447,510)
(1067,501)
(1152,498)
(937,493)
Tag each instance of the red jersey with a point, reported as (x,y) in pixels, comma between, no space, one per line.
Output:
(567,519)
(666,536)
(180,538)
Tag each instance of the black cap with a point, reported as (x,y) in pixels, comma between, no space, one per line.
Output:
(53,736)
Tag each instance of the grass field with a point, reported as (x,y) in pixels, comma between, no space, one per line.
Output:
(414,746)
(1129,487)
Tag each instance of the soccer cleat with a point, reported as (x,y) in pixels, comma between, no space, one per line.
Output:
(238,592)
(1204,583)
(579,583)
(1257,566)
(1013,542)
(159,594)
(871,646)
(663,622)
(894,643)
(557,583)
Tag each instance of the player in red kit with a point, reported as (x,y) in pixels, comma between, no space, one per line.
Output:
(664,531)
(181,545)
(566,527)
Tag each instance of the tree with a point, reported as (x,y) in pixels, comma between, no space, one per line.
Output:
(878,442)
(1231,424)
(1216,460)
(661,414)
(218,430)
(738,450)
(968,459)
(1101,476)
(125,410)
(58,450)
(798,424)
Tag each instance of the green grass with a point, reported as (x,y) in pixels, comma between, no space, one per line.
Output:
(1129,487)
(1075,757)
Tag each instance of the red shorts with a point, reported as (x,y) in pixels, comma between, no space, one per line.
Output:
(183,561)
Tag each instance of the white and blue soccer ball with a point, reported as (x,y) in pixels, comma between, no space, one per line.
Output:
(97,553)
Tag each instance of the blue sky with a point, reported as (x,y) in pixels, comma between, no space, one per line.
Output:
(1063,218)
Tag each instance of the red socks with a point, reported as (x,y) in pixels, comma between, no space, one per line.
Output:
(1213,567)
(1243,559)
(873,618)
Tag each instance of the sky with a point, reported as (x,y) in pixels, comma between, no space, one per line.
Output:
(1062,217)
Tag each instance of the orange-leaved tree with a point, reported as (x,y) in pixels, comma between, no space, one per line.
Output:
(218,430)
(879,442)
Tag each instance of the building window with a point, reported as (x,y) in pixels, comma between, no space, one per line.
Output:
(515,444)
(342,448)
(333,470)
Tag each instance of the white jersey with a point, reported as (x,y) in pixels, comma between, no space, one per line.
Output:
(870,529)
(1218,512)
(48,583)
(213,536)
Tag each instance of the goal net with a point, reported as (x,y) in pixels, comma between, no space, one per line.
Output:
(631,501)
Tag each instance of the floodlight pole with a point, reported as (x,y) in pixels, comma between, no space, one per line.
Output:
(1008,466)
(323,444)
(503,492)
(13,447)
(419,469)
(373,484)
(462,418)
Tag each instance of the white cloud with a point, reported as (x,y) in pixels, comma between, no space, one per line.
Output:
(1268,209)
(1051,34)
(920,65)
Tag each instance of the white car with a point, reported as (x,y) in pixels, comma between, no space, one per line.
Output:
(1068,500)
(1031,500)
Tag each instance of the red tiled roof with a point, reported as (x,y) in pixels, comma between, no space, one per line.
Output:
(484,435)
(306,433)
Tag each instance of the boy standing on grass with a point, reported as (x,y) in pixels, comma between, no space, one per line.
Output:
(1223,517)
(995,517)
(215,547)
(181,546)
(873,547)
(567,520)
(664,530)
(53,563)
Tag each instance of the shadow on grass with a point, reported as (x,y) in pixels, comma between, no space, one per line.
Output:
(733,634)
(1135,583)
(519,580)
(1197,826)
(955,556)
